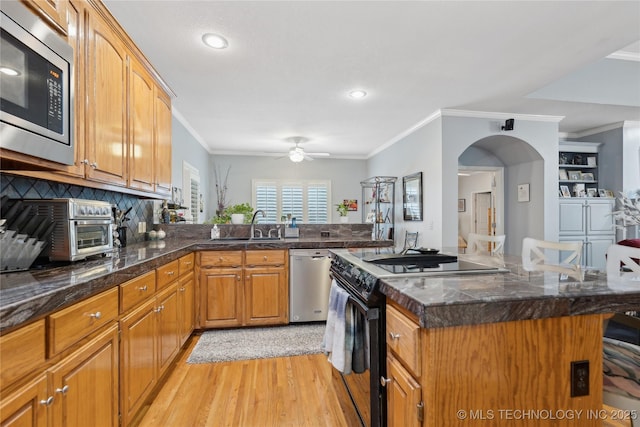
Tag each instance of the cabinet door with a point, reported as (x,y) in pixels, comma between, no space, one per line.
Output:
(596,251)
(162,135)
(137,358)
(106,113)
(572,218)
(186,307)
(167,314)
(266,296)
(141,110)
(599,218)
(221,297)
(27,406)
(85,384)
(403,396)
(54,12)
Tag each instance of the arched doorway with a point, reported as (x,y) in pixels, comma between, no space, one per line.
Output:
(496,165)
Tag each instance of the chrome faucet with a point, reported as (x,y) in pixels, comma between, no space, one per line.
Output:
(253,220)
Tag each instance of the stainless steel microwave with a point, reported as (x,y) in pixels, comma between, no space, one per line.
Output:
(36,87)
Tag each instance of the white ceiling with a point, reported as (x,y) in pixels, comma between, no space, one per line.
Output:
(290,64)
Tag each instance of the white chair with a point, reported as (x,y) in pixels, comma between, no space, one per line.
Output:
(410,241)
(620,258)
(536,256)
(485,245)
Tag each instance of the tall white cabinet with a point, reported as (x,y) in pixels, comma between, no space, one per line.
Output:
(588,220)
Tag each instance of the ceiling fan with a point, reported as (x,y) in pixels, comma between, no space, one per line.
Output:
(297,154)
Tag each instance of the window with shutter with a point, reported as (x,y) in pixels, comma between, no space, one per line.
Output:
(307,201)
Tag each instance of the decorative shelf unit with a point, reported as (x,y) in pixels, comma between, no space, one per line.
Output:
(378,196)
(578,169)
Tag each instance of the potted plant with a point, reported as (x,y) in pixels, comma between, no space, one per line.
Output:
(240,213)
(343,210)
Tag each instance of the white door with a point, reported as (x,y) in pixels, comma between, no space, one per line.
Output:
(482,217)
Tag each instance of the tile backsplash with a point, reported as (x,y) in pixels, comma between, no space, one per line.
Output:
(18,187)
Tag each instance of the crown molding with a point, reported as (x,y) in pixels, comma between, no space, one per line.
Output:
(498,115)
(600,129)
(625,56)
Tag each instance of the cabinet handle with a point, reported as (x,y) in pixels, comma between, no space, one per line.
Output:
(170,273)
(187,263)
(96,315)
(143,288)
(63,390)
(94,165)
(84,162)
(159,308)
(394,336)
(264,258)
(181,289)
(384,381)
(47,402)
(238,277)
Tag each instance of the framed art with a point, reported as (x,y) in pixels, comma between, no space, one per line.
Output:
(565,191)
(592,192)
(462,205)
(412,197)
(575,175)
(351,204)
(602,192)
(523,192)
(562,175)
(587,176)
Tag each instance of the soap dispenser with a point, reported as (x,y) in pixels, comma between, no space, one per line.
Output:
(215,232)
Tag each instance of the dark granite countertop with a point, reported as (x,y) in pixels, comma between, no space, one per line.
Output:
(31,295)
(516,295)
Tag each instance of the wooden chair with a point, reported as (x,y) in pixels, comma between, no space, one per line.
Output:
(622,259)
(485,245)
(535,256)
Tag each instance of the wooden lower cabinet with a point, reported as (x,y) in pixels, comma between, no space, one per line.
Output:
(85,385)
(27,406)
(243,288)
(80,390)
(221,297)
(186,313)
(404,396)
(168,331)
(266,299)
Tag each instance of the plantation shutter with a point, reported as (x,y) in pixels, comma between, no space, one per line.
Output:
(307,201)
(266,194)
(317,202)
(292,201)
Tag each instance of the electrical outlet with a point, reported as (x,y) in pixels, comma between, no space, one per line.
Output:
(142,227)
(580,378)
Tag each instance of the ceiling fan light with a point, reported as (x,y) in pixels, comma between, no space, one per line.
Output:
(296,154)
(215,41)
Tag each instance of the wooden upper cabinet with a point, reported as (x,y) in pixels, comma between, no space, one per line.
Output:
(106,104)
(141,111)
(53,12)
(162,138)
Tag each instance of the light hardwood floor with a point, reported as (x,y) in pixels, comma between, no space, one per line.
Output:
(298,391)
(287,391)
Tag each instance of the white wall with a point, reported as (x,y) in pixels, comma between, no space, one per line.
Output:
(435,149)
(345,176)
(420,151)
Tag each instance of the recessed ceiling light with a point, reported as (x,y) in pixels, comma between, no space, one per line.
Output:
(357,94)
(215,41)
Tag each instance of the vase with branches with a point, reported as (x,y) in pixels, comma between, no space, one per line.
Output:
(628,213)
(221,188)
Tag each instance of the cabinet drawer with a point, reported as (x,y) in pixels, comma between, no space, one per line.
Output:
(166,274)
(137,290)
(266,257)
(185,264)
(403,338)
(76,322)
(221,259)
(21,352)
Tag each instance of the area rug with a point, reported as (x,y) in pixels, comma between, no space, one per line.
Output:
(257,343)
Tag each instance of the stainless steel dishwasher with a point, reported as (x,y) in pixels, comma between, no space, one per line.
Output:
(309,284)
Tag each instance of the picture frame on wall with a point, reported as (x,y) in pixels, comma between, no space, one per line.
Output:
(592,192)
(462,205)
(412,197)
(523,192)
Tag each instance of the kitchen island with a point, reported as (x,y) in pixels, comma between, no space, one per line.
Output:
(510,349)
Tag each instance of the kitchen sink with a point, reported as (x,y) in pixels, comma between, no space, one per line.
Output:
(232,238)
(265,238)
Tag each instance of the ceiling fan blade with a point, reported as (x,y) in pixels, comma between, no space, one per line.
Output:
(319,154)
